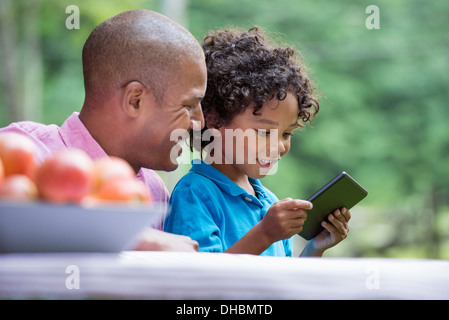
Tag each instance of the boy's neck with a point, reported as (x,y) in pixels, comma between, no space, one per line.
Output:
(236,176)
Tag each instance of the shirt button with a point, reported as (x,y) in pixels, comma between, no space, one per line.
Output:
(248,199)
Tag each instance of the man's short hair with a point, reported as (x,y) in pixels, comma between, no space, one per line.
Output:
(136,45)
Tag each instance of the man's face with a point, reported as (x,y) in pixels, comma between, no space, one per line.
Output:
(180,109)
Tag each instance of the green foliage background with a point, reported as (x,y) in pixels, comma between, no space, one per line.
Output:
(383,109)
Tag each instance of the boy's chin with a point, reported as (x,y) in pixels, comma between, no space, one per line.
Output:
(263,171)
(260,172)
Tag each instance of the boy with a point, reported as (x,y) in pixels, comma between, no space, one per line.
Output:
(261,91)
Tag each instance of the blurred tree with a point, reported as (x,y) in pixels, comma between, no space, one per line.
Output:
(21,59)
(176,10)
(9,51)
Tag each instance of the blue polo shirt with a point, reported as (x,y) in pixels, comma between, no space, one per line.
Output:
(210,208)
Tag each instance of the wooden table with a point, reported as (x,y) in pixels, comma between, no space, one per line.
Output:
(172,275)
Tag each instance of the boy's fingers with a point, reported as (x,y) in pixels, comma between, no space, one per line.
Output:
(336,221)
(329,227)
(340,226)
(338,214)
(299,215)
(335,231)
(346,213)
(291,204)
(297,223)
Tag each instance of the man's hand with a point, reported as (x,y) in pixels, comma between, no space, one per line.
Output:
(156,240)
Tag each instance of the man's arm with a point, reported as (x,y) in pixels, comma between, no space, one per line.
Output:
(156,240)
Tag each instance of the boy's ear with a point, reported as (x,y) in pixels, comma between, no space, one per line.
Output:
(211,120)
(133,98)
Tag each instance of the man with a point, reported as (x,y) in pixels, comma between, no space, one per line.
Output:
(144,76)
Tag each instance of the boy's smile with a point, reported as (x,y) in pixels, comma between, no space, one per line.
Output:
(273,126)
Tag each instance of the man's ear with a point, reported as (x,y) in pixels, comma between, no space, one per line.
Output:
(133,97)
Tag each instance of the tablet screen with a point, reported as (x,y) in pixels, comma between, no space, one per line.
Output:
(342,191)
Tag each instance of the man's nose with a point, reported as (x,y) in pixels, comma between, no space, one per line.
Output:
(197,119)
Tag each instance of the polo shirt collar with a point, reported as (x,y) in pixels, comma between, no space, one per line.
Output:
(222,181)
(75,135)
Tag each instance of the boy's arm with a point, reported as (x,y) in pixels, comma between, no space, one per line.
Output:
(284,219)
(253,242)
(192,214)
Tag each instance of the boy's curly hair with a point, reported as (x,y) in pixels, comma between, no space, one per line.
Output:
(246,68)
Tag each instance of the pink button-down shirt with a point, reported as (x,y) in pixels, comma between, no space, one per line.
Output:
(73,134)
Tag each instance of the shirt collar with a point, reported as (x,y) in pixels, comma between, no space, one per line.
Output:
(222,181)
(75,135)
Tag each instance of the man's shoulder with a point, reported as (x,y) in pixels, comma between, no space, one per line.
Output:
(45,137)
(154,183)
(30,128)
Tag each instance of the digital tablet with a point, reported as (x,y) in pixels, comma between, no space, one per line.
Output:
(342,191)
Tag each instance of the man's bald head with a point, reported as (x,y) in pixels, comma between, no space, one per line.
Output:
(137,45)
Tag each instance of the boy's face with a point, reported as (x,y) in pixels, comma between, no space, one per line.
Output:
(259,141)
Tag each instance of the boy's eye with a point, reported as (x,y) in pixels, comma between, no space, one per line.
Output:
(263,132)
(287,134)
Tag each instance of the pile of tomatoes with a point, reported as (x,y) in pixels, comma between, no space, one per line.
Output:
(67,176)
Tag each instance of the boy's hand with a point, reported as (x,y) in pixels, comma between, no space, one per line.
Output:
(284,219)
(335,231)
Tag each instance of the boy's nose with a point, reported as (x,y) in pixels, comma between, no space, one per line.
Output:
(281,148)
